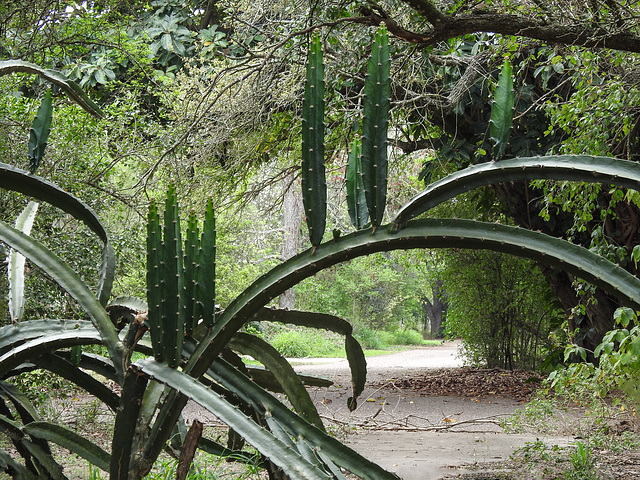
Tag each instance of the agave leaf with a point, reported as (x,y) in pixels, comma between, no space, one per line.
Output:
(267,380)
(46,462)
(14,335)
(72,284)
(39,133)
(16,264)
(502,112)
(214,448)
(291,462)
(585,168)
(286,376)
(71,441)
(375,121)
(71,88)
(314,187)
(66,369)
(358,366)
(266,404)
(321,321)
(8,464)
(17,180)
(38,346)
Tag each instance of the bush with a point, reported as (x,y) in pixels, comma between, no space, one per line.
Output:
(371,339)
(292,344)
(407,337)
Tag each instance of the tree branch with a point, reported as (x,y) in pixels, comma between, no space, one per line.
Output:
(586,34)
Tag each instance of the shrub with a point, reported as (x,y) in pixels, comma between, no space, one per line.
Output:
(292,344)
(371,339)
(407,337)
(301,343)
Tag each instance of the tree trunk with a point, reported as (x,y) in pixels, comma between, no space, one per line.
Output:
(435,311)
(292,220)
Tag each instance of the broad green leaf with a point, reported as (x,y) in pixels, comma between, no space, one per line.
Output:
(18,180)
(586,168)
(69,280)
(284,373)
(39,133)
(71,441)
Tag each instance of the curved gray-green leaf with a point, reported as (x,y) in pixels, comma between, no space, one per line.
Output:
(44,344)
(579,168)
(24,223)
(12,335)
(266,404)
(18,180)
(283,371)
(441,233)
(71,441)
(321,321)
(71,88)
(291,462)
(71,282)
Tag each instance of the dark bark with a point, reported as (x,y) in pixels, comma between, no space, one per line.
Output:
(188,449)
(435,311)
(585,33)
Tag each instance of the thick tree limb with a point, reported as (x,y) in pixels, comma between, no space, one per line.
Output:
(585,34)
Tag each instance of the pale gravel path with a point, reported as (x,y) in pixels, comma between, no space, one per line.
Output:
(391,428)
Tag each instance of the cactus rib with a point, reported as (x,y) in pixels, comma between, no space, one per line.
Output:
(377,90)
(314,188)
(356,199)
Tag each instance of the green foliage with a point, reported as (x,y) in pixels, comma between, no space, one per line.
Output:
(582,464)
(40,132)
(496,306)
(617,369)
(304,343)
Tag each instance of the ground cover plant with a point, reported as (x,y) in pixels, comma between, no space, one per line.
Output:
(192,349)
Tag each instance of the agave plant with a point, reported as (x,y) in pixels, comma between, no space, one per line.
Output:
(193,349)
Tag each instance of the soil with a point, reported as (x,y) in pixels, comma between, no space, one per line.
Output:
(424,416)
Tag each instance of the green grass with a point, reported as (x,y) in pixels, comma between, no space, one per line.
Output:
(303,342)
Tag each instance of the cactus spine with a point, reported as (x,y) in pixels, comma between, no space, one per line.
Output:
(377,90)
(314,187)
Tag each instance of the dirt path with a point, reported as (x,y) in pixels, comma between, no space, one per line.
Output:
(417,436)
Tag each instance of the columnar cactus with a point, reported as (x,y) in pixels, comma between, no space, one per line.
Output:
(314,187)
